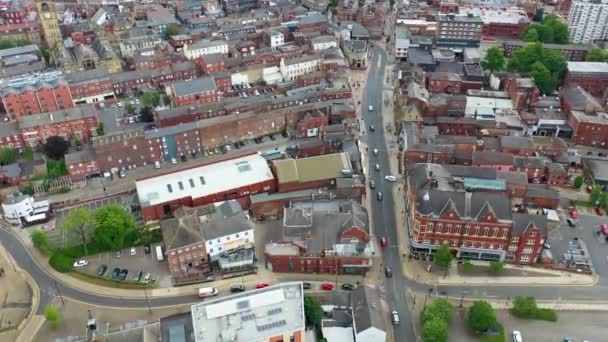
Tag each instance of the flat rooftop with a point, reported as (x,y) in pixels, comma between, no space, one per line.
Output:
(250,316)
(323,167)
(595,67)
(203,180)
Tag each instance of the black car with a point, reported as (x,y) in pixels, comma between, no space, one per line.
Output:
(137,276)
(372,128)
(307,286)
(284,134)
(116,273)
(372,185)
(348,287)
(102,270)
(147,249)
(123,274)
(235,288)
(271,136)
(388,272)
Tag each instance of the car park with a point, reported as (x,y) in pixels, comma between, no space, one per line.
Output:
(261,285)
(348,287)
(517,336)
(327,287)
(81,263)
(395,317)
(102,270)
(116,273)
(123,274)
(234,288)
(379,196)
(390,178)
(306,286)
(388,272)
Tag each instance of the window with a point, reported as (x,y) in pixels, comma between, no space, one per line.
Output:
(430,227)
(533,234)
(191,182)
(169,188)
(485,231)
(458,229)
(181,185)
(202,180)
(530,242)
(439,227)
(525,258)
(466,230)
(476,230)
(515,239)
(504,233)
(527,250)
(448,229)
(495,232)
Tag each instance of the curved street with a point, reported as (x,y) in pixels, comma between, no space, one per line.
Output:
(384,223)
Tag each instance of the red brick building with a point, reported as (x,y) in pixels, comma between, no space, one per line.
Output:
(10,136)
(448,125)
(178,41)
(80,123)
(80,164)
(124,82)
(233,178)
(444,82)
(194,91)
(523,92)
(591,76)
(429,153)
(589,129)
(311,173)
(325,231)
(572,52)
(211,64)
(91,86)
(475,225)
(37,93)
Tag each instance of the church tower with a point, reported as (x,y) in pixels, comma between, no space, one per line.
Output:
(48,20)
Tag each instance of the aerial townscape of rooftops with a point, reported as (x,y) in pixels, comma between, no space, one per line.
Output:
(303,170)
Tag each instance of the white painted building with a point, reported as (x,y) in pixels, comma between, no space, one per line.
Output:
(324,42)
(292,68)
(276,38)
(205,47)
(17,206)
(588,20)
(228,229)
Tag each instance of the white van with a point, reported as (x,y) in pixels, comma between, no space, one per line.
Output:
(207,292)
(159,253)
(371,108)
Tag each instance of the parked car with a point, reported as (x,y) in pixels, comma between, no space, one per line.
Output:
(123,274)
(234,288)
(102,270)
(115,273)
(217,150)
(379,196)
(173,161)
(517,336)
(261,285)
(571,222)
(147,249)
(370,108)
(388,272)
(327,286)
(372,184)
(138,275)
(122,173)
(390,178)
(307,286)
(599,211)
(133,251)
(157,164)
(395,317)
(573,213)
(81,263)
(348,287)
(147,278)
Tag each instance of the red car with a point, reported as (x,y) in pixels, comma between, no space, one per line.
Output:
(261,285)
(383,242)
(573,213)
(327,286)
(599,211)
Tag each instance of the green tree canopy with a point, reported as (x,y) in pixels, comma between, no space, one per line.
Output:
(481,316)
(55,147)
(7,156)
(435,330)
(151,98)
(579,181)
(440,308)
(536,61)
(42,242)
(531,36)
(542,78)
(523,306)
(312,311)
(596,194)
(538,15)
(494,59)
(52,315)
(597,55)
(147,114)
(443,257)
(80,221)
(171,30)
(129,108)
(559,28)
(114,226)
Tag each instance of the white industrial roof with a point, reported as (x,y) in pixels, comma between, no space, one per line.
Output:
(486,106)
(204,180)
(250,316)
(588,67)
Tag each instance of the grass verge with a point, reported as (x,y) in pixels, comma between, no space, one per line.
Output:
(109,282)
(494,338)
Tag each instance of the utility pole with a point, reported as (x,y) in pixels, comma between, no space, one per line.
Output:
(147,299)
(59,292)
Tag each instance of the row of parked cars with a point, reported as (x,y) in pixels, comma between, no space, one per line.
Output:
(236,288)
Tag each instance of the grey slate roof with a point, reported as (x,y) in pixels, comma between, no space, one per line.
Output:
(194,86)
(170,130)
(492,158)
(516,142)
(579,99)
(434,202)
(226,218)
(36,120)
(85,155)
(367,309)
(542,192)
(523,222)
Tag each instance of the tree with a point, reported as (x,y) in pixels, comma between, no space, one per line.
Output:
(440,308)
(52,315)
(494,60)
(596,194)
(604,200)
(559,29)
(166,100)
(523,306)
(101,129)
(151,98)
(542,78)
(42,242)
(114,226)
(481,316)
(435,330)
(443,257)
(496,267)
(129,108)
(56,147)
(80,221)
(55,168)
(171,30)
(530,36)
(579,181)
(147,114)
(312,311)
(538,15)
(597,55)
(7,156)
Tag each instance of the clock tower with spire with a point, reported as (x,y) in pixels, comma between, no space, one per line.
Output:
(48,20)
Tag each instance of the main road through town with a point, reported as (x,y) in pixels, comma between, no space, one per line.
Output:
(383,216)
